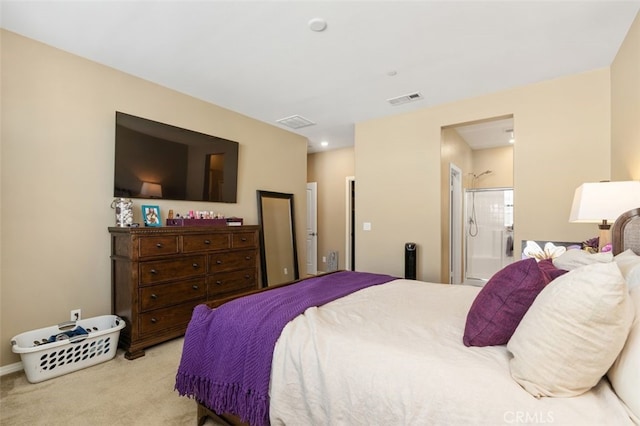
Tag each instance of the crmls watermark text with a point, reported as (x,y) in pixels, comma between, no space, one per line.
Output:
(523,417)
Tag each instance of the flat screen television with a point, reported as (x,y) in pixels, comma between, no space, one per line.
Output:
(157,160)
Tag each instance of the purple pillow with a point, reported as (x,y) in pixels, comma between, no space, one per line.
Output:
(549,270)
(502,302)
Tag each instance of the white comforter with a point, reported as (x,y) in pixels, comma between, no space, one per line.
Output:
(393,355)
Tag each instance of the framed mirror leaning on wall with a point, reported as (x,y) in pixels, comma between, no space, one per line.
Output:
(278,253)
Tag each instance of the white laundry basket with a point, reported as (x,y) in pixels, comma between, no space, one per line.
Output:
(42,361)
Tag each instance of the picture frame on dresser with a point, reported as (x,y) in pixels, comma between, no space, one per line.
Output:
(151,215)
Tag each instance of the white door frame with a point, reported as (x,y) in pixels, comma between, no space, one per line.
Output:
(349,231)
(312,228)
(455,224)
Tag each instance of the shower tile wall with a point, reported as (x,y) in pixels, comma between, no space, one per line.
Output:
(487,251)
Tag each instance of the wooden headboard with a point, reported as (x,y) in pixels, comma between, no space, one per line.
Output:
(625,232)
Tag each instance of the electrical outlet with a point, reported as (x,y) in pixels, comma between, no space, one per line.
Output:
(324,259)
(76,315)
(286,271)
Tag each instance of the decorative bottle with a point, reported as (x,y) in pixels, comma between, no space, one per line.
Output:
(124,211)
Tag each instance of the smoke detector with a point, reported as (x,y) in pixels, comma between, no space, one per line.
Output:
(411,97)
(318,25)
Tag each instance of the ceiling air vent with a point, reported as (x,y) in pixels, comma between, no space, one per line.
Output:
(295,122)
(405,99)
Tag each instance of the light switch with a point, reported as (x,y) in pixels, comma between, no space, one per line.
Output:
(366,226)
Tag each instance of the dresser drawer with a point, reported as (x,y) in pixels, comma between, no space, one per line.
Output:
(243,239)
(163,295)
(162,319)
(201,242)
(226,282)
(229,261)
(157,246)
(171,269)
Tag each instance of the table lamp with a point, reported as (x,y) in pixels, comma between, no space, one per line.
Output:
(603,202)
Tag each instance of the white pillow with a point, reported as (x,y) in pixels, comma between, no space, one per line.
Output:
(573,332)
(629,264)
(572,259)
(625,373)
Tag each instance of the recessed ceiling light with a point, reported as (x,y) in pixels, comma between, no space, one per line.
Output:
(512,137)
(324,143)
(318,25)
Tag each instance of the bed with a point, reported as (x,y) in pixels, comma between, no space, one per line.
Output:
(393,351)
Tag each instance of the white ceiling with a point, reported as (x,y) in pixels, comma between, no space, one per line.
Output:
(262,60)
(488,134)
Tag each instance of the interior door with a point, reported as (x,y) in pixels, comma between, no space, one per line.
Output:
(312,228)
(350,221)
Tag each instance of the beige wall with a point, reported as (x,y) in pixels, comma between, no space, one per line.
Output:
(453,150)
(57,177)
(554,120)
(499,161)
(625,108)
(330,170)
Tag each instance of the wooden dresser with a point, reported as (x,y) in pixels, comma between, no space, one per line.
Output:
(160,274)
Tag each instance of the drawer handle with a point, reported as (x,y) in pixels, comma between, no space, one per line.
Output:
(219,282)
(154,296)
(195,287)
(247,258)
(218,262)
(195,265)
(246,277)
(207,241)
(243,239)
(159,245)
(153,320)
(154,272)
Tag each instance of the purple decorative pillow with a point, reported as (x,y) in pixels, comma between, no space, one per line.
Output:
(501,304)
(549,270)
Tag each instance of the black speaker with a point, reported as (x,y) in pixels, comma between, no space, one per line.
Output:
(410,261)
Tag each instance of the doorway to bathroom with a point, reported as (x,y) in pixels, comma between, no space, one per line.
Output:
(478,229)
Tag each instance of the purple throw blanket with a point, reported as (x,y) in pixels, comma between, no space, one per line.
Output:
(227,353)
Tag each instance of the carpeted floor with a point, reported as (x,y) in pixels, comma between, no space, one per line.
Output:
(116,392)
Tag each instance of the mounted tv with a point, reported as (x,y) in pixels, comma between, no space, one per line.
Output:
(156,160)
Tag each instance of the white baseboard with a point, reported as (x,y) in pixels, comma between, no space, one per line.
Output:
(11,368)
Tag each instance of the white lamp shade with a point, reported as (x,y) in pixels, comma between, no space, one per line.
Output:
(152,190)
(595,202)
